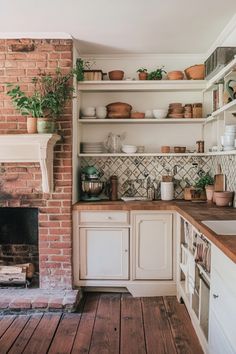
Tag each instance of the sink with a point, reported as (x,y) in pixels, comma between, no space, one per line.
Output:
(222,227)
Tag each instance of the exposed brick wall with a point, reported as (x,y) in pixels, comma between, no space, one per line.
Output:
(20,184)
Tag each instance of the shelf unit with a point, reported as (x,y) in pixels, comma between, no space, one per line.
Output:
(142,85)
(228,69)
(216,121)
(142,95)
(83,120)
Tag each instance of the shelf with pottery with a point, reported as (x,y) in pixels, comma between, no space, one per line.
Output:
(229,107)
(85,120)
(228,69)
(142,85)
(193,154)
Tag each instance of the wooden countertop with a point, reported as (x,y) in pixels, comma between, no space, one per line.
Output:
(195,213)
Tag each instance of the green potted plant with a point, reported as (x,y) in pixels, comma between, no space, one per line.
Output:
(142,74)
(204,186)
(46,103)
(156,74)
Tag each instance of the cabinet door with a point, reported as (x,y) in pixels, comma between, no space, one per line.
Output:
(104,253)
(152,234)
(218,344)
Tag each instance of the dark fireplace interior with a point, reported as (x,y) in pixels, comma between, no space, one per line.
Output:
(19,243)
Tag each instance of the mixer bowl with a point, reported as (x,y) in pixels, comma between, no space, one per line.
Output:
(92,188)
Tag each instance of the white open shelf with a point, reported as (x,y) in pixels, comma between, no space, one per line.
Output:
(142,85)
(142,121)
(217,153)
(221,74)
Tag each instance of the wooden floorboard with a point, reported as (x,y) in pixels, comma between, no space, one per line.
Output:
(5,323)
(106,332)
(105,324)
(183,333)
(43,335)
(158,335)
(132,338)
(85,329)
(25,335)
(13,331)
(65,334)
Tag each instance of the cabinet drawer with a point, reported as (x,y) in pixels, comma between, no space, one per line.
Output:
(104,217)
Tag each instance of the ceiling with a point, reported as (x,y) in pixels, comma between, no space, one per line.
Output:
(123,26)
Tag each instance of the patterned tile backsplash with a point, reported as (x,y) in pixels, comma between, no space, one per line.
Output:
(133,172)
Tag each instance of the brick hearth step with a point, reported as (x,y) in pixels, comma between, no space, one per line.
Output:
(38,300)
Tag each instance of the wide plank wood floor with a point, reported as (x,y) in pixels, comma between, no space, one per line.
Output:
(104,324)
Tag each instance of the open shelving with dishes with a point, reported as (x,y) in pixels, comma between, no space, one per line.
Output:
(143,96)
(219,105)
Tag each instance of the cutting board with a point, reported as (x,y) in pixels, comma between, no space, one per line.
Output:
(219,180)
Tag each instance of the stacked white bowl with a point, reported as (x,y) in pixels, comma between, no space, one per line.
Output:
(228,139)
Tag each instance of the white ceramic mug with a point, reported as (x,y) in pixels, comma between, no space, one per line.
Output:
(88,111)
(167,190)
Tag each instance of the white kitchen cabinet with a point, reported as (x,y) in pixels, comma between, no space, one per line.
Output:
(152,245)
(222,304)
(104,253)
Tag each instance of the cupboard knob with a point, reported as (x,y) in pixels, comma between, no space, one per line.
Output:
(215,296)
(126,251)
(109,218)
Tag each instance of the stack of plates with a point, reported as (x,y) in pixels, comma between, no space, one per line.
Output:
(92,148)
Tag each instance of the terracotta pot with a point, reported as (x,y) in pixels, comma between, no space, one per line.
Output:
(143,75)
(223,198)
(118,110)
(116,75)
(31,125)
(137,115)
(165,149)
(175,75)
(209,193)
(195,72)
(45,126)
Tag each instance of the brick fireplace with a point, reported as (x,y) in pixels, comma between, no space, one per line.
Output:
(20,183)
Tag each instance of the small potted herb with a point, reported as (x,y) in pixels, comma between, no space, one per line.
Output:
(142,74)
(156,74)
(205,186)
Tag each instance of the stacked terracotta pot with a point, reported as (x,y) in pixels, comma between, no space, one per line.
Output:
(176,110)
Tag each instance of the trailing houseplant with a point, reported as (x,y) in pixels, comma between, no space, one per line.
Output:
(46,103)
(142,74)
(156,74)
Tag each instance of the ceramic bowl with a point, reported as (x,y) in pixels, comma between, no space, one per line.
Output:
(160,113)
(116,75)
(88,111)
(223,198)
(129,149)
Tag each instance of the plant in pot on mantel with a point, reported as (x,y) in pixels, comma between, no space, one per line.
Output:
(142,74)
(46,103)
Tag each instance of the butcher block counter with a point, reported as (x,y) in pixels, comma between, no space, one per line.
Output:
(195,213)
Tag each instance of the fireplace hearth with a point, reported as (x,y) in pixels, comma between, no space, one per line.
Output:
(19,255)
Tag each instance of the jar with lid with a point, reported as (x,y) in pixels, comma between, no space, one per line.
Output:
(197,110)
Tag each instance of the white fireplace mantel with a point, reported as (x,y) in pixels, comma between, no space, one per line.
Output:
(31,148)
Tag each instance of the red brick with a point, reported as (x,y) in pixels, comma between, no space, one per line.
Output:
(56,303)
(20,304)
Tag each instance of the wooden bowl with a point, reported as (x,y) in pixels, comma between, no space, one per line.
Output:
(195,72)
(165,149)
(175,75)
(137,115)
(179,149)
(116,75)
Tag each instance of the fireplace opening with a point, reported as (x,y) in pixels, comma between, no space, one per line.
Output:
(19,256)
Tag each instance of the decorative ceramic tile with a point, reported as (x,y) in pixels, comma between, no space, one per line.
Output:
(133,172)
